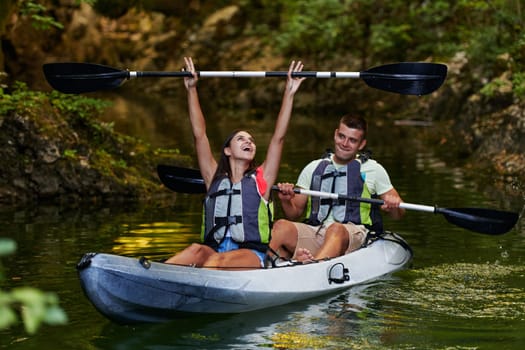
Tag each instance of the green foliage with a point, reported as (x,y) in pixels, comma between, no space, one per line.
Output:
(37,12)
(518,84)
(312,26)
(494,86)
(78,105)
(378,31)
(32,305)
(70,153)
(106,163)
(21,99)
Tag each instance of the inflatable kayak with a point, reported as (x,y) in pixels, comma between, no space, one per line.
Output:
(132,290)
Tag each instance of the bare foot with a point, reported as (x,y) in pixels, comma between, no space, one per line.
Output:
(304,255)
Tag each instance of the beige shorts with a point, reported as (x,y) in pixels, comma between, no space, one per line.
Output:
(312,237)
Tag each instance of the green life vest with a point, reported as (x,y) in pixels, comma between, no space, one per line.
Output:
(347,181)
(240,209)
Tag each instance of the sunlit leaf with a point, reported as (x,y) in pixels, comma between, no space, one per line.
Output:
(55,316)
(28,295)
(32,316)
(38,307)
(7,246)
(7,317)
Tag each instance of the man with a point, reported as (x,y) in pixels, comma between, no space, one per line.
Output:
(333,228)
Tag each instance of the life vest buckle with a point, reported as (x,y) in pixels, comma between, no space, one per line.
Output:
(232,220)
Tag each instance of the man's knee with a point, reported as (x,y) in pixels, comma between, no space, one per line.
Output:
(338,232)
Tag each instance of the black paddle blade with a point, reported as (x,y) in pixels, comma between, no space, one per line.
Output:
(183,180)
(77,78)
(487,221)
(407,78)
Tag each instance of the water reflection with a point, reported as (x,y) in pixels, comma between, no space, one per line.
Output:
(317,323)
(155,238)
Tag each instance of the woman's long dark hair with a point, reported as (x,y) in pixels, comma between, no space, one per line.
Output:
(223,167)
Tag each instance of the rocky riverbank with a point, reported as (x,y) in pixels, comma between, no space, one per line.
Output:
(55,150)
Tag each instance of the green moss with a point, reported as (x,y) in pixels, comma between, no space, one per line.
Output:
(126,165)
(70,153)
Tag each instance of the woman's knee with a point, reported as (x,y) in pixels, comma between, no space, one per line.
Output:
(283,231)
(197,249)
(215,260)
(280,227)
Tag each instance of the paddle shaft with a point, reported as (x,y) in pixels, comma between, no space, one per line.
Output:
(476,219)
(263,74)
(403,205)
(246,74)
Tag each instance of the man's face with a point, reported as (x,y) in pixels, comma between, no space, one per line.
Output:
(348,142)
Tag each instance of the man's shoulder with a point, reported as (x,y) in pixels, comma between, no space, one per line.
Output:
(314,163)
(306,174)
(370,164)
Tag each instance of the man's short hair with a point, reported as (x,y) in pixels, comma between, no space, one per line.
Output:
(355,122)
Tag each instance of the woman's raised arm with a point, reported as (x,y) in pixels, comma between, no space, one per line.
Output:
(207,163)
(273,156)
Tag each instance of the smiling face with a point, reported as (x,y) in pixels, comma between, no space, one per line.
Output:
(241,146)
(348,142)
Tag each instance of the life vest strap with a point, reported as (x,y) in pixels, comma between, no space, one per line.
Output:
(228,220)
(225,192)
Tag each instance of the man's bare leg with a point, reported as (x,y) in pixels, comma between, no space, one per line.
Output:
(335,243)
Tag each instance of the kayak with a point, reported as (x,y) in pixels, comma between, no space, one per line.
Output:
(137,290)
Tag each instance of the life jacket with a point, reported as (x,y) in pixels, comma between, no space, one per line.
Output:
(346,181)
(239,208)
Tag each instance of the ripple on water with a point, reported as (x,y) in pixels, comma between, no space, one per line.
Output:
(465,290)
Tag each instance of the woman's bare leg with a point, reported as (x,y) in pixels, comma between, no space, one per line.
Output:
(194,255)
(238,259)
(284,238)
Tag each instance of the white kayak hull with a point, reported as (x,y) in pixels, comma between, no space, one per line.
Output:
(130,290)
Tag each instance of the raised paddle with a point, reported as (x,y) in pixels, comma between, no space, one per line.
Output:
(407,78)
(486,221)
(182,180)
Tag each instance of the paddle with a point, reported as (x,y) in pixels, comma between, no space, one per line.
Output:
(408,78)
(182,180)
(486,221)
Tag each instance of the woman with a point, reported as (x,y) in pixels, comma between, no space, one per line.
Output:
(237,213)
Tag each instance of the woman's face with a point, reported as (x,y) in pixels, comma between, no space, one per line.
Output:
(242,146)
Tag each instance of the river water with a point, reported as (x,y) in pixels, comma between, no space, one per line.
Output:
(463,290)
